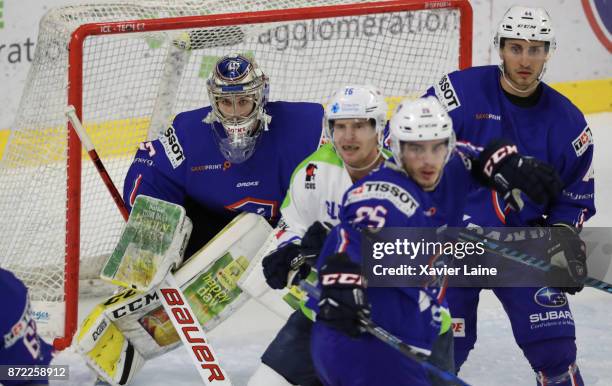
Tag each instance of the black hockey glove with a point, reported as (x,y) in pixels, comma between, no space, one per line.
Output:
(501,167)
(276,265)
(293,257)
(567,253)
(343,298)
(313,239)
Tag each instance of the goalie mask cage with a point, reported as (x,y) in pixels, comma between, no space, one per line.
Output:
(129,67)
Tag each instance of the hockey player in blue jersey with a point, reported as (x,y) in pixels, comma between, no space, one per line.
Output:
(20,345)
(235,155)
(511,101)
(426,186)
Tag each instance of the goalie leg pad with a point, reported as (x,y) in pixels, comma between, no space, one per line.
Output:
(106,350)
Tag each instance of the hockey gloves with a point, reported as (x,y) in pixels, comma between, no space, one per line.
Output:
(343,299)
(501,167)
(293,257)
(567,252)
(276,265)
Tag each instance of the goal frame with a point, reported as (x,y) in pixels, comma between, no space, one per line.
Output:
(75,98)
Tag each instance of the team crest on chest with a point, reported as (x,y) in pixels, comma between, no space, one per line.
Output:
(309,180)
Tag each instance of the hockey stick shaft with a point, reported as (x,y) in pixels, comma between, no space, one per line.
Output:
(524,258)
(393,341)
(172,298)
(93,154)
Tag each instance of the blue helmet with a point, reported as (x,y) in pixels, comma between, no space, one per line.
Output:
(238,92)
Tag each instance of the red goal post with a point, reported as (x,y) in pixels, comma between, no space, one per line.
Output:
(113,70)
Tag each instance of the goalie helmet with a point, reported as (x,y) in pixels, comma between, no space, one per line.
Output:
(528,24)
(359,102)
(237,80)
(420,120)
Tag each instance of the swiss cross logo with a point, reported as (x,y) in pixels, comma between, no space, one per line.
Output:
(582,142)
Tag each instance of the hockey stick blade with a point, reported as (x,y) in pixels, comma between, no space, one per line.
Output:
(393,341)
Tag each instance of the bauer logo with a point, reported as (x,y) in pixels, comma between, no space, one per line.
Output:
(550,297)
(172,147)
(582,142)
(446,94)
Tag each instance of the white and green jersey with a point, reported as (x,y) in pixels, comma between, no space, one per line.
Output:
(315,193)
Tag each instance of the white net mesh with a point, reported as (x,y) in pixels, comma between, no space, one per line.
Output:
(134,82)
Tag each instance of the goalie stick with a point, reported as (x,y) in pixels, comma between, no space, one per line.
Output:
(172,298)
(393,341)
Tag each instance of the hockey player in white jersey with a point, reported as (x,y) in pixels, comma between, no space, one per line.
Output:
(355,119)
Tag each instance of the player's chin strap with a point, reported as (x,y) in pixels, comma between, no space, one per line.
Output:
(530,89)
(368,166)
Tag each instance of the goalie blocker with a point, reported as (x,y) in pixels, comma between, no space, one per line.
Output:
(130,327)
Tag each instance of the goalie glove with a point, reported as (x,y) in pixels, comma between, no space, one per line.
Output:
(343,300)
(567,252)
(502,168)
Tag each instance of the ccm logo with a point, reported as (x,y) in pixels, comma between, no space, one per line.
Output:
(341,278)
(191,330)
(135,305)
(496,157)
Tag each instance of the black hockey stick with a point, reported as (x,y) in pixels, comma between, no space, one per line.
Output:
(393,341)
(525,258)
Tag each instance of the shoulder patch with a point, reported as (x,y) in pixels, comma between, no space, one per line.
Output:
(172,147)
(446,94)
(582,142)
(383,190)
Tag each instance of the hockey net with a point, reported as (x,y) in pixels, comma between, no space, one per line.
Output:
(129,66)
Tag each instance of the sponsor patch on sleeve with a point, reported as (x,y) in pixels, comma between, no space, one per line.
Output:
(582,142)
(446,94)
(383,190)
(172,147)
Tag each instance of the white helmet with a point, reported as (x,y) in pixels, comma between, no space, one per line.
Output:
(358,101)
(526,23)
(420,120)
(235,76)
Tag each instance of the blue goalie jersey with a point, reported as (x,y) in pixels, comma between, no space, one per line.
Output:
(553,130)
(186,167)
